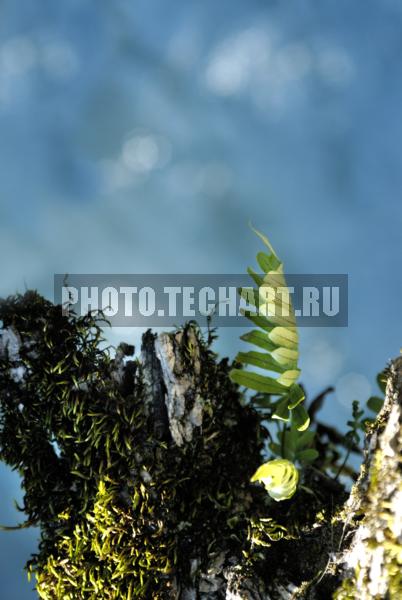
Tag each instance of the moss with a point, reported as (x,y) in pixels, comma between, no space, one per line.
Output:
(125,513)
(347,590)
(394,571)
(121,513)
(378,508)
(99,559)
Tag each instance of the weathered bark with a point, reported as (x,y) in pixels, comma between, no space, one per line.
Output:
(370,557)
(364,558)
(173,399)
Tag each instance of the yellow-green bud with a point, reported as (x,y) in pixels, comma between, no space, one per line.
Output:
(280,478)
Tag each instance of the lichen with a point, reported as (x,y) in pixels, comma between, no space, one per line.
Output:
(347,590)
(374,559)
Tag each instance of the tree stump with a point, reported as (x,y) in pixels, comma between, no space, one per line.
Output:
(138,473)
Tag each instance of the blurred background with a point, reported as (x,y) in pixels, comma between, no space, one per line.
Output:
(142,136)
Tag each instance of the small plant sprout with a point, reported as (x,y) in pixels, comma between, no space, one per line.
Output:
(277,340)
(280,478)
(352,436)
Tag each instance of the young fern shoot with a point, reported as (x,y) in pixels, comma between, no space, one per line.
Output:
(277,341)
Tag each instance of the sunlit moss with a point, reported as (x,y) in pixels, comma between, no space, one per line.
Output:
(121,514)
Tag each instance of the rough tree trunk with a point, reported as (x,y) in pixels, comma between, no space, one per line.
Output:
(369,559)
(364,559)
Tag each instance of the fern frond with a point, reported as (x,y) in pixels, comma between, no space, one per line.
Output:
(276,338)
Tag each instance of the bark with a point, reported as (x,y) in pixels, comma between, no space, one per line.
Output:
(370,560)
(364,556)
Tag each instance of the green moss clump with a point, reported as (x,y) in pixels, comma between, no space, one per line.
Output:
(346,591)
(121,514)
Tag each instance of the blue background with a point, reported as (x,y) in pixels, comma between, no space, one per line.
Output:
(141,136)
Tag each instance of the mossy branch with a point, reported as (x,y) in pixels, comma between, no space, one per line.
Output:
(138,474)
